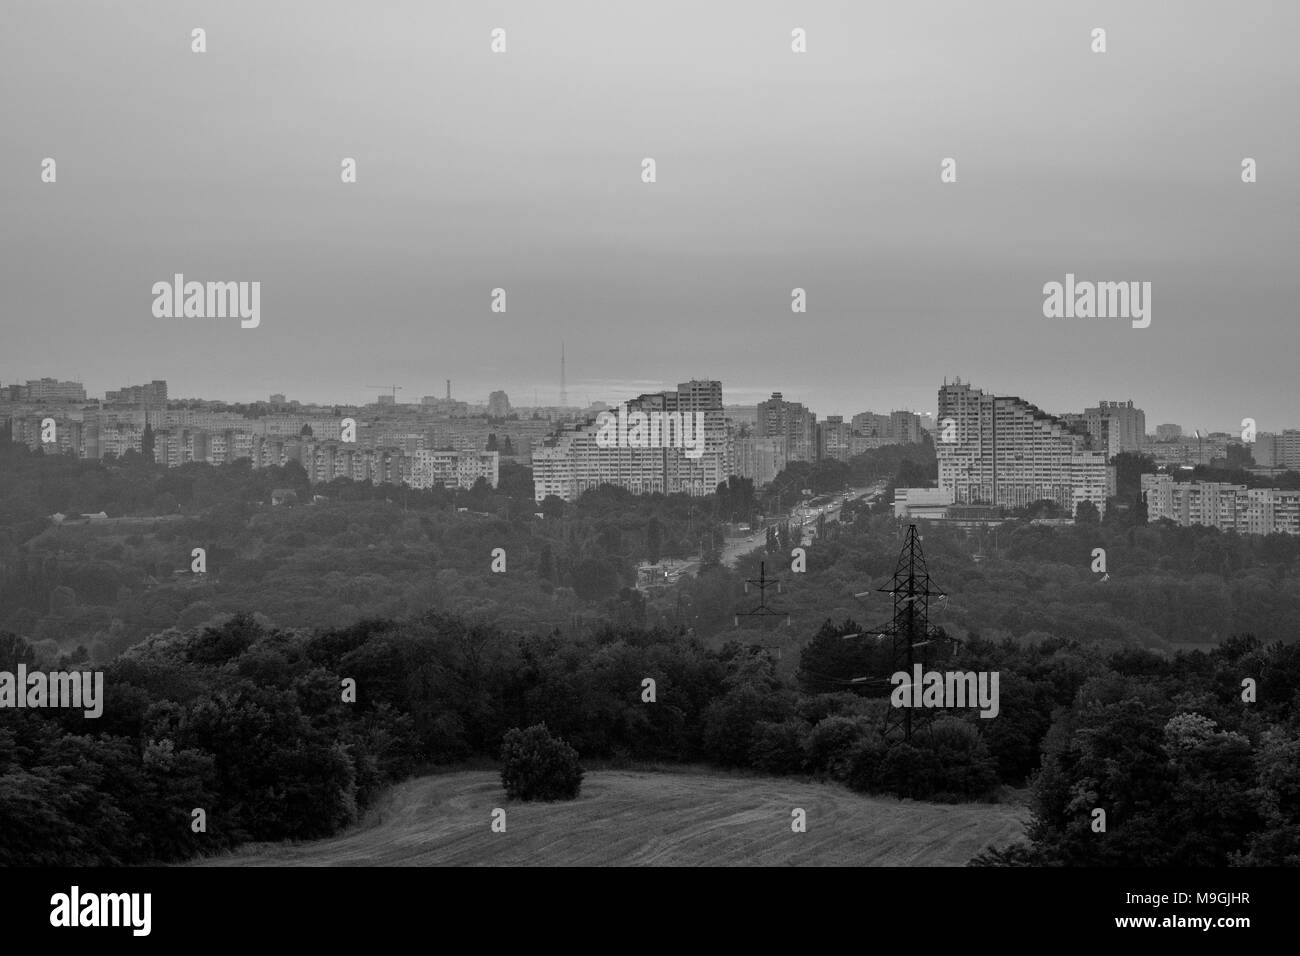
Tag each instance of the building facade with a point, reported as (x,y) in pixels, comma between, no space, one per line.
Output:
(1116,427)
(155,393)
(834,439)
(1003,451)
(47,390)
(778,418)
(1280,450)
(453,469)
(573,461)
(760,459)
(1221,505)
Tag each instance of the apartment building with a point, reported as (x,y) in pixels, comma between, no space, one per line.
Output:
(1221,505)
(760,459)
(778,418)
(1281,450)
(573,461)
(1005,452)
(453,469)
(1116,427)
(834,438)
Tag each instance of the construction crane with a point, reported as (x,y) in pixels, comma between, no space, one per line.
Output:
(394,389)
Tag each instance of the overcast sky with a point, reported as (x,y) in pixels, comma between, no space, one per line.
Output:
(775,170)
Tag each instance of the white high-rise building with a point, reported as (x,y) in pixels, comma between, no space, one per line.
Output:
(574,461)
(1003,451)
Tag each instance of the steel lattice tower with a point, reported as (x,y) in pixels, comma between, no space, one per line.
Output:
(762,610)
(913,640)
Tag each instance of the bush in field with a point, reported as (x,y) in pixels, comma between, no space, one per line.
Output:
(947,762)
(865,764)
(730,722)
(538,766)
(964,769)
(778,747)
(832,742)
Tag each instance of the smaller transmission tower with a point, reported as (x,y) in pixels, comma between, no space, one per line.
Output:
(762,610)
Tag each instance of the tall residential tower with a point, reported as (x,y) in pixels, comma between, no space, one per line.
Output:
(1001,450)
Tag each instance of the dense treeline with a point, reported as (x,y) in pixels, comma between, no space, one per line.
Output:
(1164,588)
(249,723)
(1193,757)
(359,551)
(394,553)
(900,466)
(1187,772)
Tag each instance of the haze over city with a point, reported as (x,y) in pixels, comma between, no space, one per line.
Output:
(775,172)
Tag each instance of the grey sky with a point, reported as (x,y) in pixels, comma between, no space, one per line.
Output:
(775,170)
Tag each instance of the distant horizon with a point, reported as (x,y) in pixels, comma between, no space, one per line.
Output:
(578,389)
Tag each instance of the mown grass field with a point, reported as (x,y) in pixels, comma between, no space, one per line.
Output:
(636,818)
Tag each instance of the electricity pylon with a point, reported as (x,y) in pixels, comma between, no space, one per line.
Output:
(913,640)
(762,610)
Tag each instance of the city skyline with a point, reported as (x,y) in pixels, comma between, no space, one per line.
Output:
(990,450)
(627,391)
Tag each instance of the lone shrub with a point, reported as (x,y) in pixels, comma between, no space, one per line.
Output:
(832,742)
(947,763)
(778,748)
(538,766)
